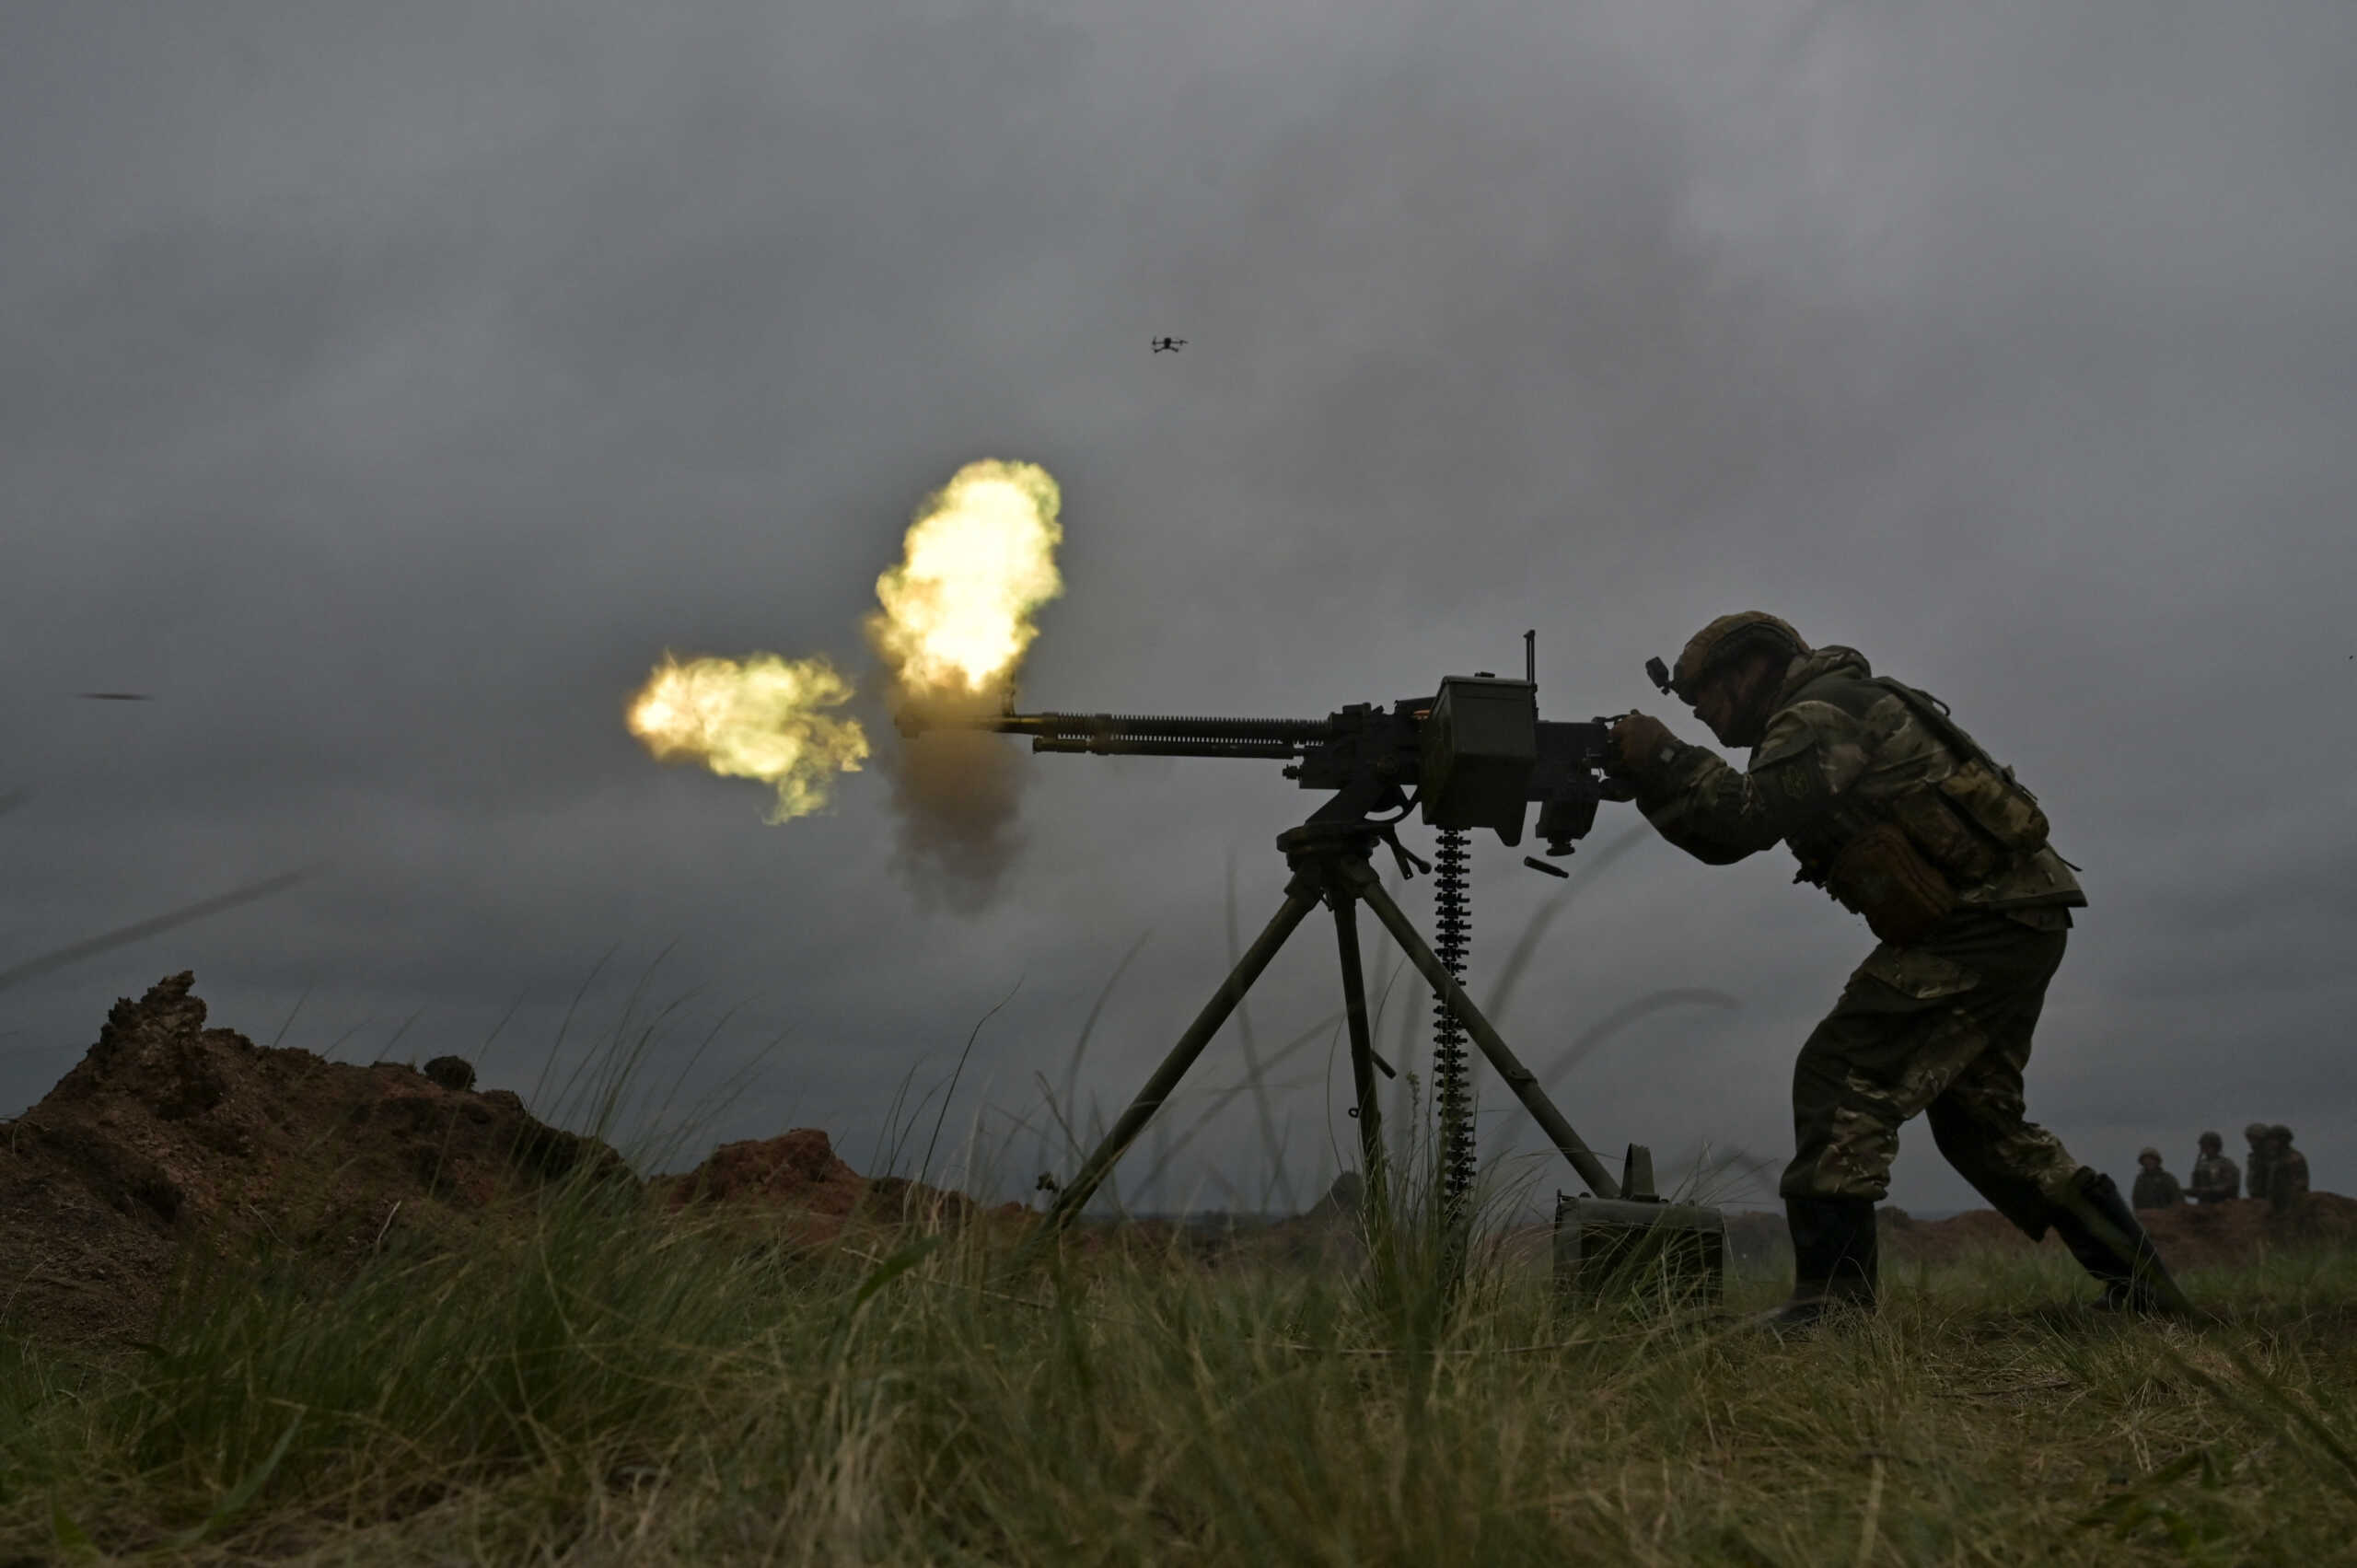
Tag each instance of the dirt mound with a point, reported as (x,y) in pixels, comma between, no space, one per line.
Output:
(167,1130)
(811,1195)
(2193,1236)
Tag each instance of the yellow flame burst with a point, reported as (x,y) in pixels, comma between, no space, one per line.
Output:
(762,717)
(978,561)
(954,626)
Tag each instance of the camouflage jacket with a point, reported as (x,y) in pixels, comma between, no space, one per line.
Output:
(2287,1179)
(2257,1171)
(2215,1178)
(2156,1190)
(1844,752)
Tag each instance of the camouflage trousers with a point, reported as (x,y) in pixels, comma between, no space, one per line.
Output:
(1943,1028)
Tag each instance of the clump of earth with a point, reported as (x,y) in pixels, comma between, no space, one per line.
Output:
(167,1130)
(807,1194)
(170,1133)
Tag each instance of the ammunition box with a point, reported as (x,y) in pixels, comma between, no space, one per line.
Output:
(1475,751)
(1641,1251)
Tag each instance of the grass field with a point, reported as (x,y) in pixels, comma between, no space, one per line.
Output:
(609,1386)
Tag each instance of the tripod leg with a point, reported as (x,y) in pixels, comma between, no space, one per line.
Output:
(1299,901)
(1518,1077)
(1346,938)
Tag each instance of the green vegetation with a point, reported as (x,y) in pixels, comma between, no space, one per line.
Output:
(607,1385)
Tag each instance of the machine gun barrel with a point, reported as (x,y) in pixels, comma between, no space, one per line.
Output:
(1165,734)
(1122,746)
(1141,735)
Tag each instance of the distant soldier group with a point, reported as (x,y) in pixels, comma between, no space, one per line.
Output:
(2279,1173)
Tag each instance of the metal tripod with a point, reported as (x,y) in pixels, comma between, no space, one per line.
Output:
(1330,861)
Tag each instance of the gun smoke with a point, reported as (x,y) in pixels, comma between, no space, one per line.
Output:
(955,623)
(958,794)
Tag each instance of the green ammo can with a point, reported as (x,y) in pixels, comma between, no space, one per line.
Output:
(1638,1249)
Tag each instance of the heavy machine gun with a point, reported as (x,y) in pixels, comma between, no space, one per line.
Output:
(1474,755)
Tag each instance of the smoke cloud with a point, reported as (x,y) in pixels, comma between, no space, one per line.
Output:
(957,794)
(955,623)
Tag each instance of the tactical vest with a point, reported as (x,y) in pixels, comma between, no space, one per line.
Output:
(1977,819)
(1903,860)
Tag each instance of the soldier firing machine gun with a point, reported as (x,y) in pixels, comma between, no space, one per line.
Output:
(1475,755)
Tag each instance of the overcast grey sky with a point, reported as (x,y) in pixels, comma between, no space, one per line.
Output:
(386,388)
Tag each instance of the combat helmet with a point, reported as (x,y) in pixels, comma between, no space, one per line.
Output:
(2210,1141)
(2148,1154)
(2256,1131)
(1728,638)
(2280,1131)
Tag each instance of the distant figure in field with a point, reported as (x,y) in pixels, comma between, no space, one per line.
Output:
(2287,1171)
(2155,1188)
(2257,1133)
(2216,1179)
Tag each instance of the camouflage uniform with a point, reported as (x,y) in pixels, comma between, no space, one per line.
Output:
(1941,1026)
(2261,1158)
(2287,1172)
(2155,1188)
(2216,1179)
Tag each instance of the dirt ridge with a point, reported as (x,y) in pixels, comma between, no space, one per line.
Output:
(170,1133)
(2192,1236)
(168,1130)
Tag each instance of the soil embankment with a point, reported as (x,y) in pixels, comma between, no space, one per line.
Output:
(2195,1236)
(167,1130)
(806,1193)
(169,1134)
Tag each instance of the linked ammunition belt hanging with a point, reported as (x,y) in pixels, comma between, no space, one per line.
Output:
(1452,1094)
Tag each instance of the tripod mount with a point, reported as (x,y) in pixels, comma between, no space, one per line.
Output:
(1331,862)
(1474,755)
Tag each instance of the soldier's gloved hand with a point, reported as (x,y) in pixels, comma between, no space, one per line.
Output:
(1639,741)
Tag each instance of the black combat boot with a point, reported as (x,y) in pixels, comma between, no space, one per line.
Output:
(2130,1267)
(1833,1260)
